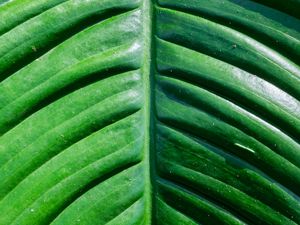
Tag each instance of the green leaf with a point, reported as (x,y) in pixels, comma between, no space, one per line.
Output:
(167,112)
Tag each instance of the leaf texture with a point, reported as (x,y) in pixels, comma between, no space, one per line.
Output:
(166,112)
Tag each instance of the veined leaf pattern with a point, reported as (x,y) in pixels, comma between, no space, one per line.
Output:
(149,112)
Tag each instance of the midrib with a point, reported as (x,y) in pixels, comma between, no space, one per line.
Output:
(148,68)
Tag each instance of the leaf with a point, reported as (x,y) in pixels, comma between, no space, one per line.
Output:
(137,112)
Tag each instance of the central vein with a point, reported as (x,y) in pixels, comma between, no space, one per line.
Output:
(148,67)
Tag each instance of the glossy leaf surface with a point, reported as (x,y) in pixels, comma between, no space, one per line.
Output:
(168,112)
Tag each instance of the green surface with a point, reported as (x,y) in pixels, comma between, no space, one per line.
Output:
(131,112)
